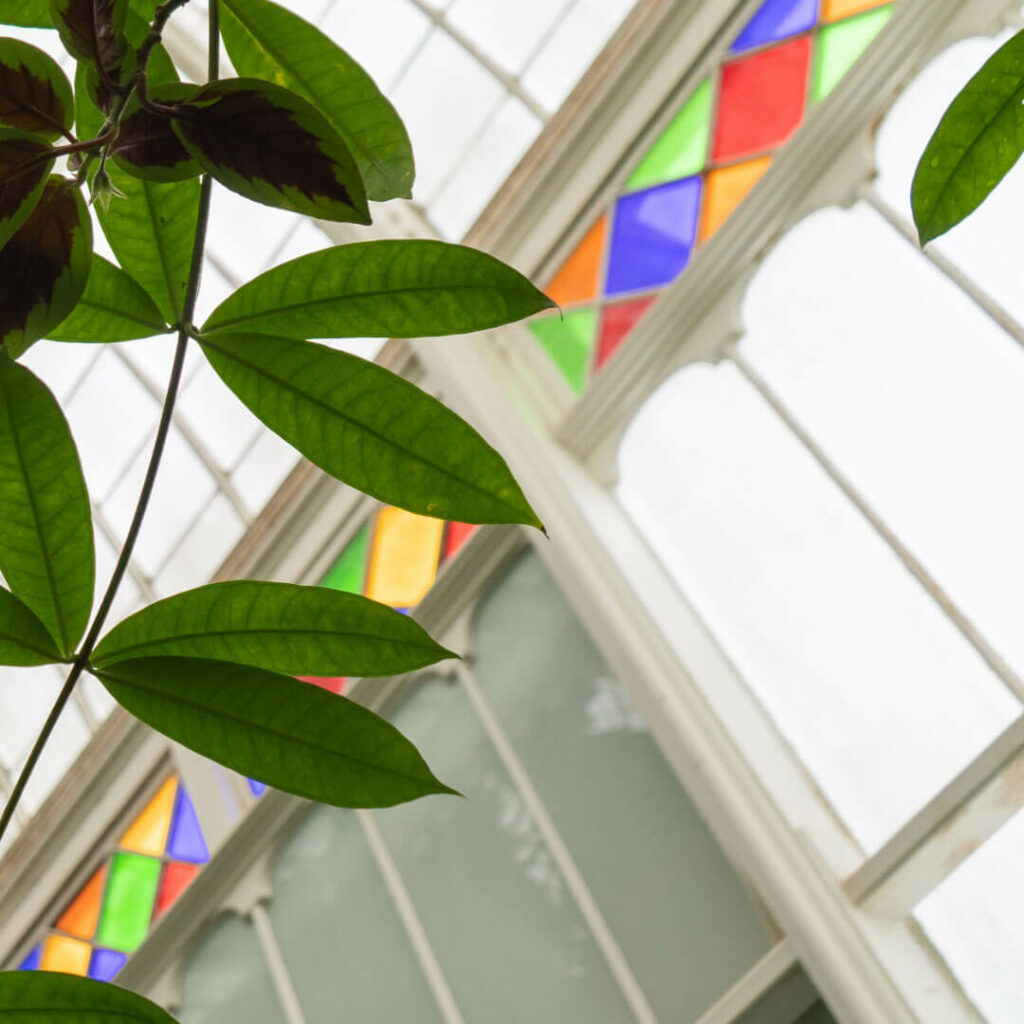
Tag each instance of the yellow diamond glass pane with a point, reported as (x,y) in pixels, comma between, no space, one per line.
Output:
(68,955)
(148,832)
(833,10)
(725,189)
(403,560)
(82,914)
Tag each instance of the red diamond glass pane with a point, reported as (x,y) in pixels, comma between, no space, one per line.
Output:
(616,322)
(762,100)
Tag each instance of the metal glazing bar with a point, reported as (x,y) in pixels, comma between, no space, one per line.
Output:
(509,81)
(962,623)
(139,578)
(602,933)
(414,930)
(92,723)
(198,445)
(275,962)
(947,830)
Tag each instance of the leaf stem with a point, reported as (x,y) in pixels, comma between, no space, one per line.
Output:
(81,661)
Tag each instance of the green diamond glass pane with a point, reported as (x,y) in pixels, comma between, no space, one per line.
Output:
(840,45)
(349,571)
(681,148)
(128,901)
(569,342)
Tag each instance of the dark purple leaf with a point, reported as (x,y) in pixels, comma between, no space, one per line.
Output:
(272,146)
(44,267)
(92,30)
(24,165)
(146,145)
(35,95)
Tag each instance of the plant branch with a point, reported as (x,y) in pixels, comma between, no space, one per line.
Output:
(81,661)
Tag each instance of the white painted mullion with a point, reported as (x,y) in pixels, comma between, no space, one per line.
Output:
(947,830)
(767,972)
(414,930)
(981,298)
(278,969)
(585,901)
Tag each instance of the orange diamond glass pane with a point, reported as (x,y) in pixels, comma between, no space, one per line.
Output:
(833,10)
(68,955)
(148,832)
(579,278)
(403,559)
(81,916)
(725,188)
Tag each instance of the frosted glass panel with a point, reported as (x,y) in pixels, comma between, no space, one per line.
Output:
(873,686)
(227,980)
(684,920)
(338,930)
(499,916)
(974,919)
(913,391)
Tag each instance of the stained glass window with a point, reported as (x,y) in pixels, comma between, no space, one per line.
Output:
(394,558)
(789,56)
(155,859)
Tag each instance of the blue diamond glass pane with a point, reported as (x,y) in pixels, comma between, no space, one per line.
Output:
(31,962)
(653,234)
(105,963)
(775,20)
(258,788)
(186,841)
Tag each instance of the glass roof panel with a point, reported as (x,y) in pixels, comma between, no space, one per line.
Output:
(973,919)
(457,73)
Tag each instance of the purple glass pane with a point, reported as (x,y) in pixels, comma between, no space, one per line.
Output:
(258,788)
(105,963)
(186,840)
(652,235)
(775,20)
(31,962)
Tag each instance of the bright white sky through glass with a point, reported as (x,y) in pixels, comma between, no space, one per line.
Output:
(918,398)
(475,81)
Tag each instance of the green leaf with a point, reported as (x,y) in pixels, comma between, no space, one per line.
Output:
(289,734)
(152,229)
(45,997)
(272,146)
(267,41)
(23,638)
(112,308)
(46,544)
(35,95)
(371,429)
(92,30)
(26,13)
(25,164)
(300,631)
(385,289)
(978,140)
(44,267)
